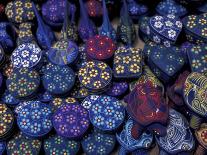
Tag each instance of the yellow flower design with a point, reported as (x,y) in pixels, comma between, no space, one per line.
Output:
(7,118)
(70,100)
(105,75)
(82,72)
(117,59)
(102,65)
(90,64)
(127,59)
(93,73)
(57,101)
(119,69)
(134,68)
(3,108)
(204,32)
(136,58)
(202,21)
(83,91)
(97,84)
(30,15)
(86,80)
(191,24)
(28,5)
(18,19)
(2,128)
(18,3)
(9,13)
(19,11)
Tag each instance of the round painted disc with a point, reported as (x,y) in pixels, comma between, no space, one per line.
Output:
(71,121)
(107,113)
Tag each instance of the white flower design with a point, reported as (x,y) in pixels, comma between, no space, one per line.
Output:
(156,39)
(158,24)
(179,24)
(158,17)
(171,16)
(171,34)
(169,23)
(34,58)
(25,63)
(25,53)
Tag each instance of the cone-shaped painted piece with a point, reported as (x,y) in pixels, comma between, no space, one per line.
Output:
(86,27)
(125,17)
(106,28)
(66,21)
(45,35)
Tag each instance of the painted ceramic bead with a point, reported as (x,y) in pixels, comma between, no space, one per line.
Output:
(195,28)
(44,34)
(166,7)
(19,11)
(117,89)
(10,100)
(146,105)
(106,27)
(20,144)
(26,55)
(52,12)
(126,30)
(128,143)
(58,102)
(58,145)
(86,27)
(165,29)
(6,121)
(71,121)
(179,137)
(95,75)
(23,83)
(100,47)
(98,143)
(197,57)
(165,62)
(25,34)
(34,118)
(127,63)
(58,79)
(106,113)
(7,36)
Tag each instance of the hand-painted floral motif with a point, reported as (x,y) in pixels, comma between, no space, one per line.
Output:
(195,89)
(88,101)
(166,62)
(58,79)
(100,47)
(8,99)
(195,28)
(171,7)
(197,56)
(165,29)
(57,102)
(79,91)
(179,137)
(26,55)
(127,63)
(71,120)
(34,118)
(63,146)
(117,89)
(63,52)
(23,145)
(6,120)
(98,143)
(52,12)
(23,83)
(19,11)
(106,113)
(95,75)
